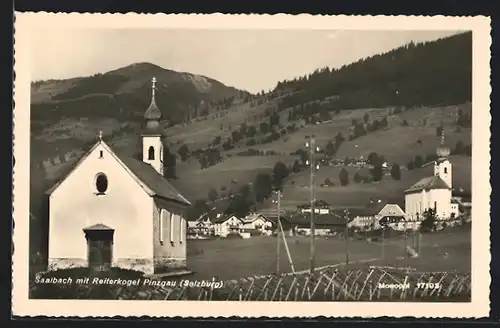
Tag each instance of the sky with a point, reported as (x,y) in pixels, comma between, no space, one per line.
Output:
(251,60)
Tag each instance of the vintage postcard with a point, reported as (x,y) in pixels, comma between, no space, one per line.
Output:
(305,165)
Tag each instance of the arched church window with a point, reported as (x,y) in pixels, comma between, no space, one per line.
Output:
(445,170)
(151,153)
(101,183)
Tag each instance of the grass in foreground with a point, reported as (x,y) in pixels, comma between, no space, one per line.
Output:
(232,259)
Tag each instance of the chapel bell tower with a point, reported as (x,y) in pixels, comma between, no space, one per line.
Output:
(442,166)
(152,146)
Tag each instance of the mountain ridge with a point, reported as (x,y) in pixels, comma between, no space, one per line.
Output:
(124,92)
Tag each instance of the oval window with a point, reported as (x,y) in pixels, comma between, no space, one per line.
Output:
(101,183)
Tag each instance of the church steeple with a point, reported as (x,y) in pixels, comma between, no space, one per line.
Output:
(442,151)
(153,114)
(152,145)
(442,166)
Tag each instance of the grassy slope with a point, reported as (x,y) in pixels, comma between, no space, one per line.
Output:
(359,194)
(396,143)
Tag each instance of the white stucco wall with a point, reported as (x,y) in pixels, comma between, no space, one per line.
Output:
(419,202)
(222,229)
(391,210)
(364,221)
(443,169)
(125,207)
(169,239)
(260,222)
(442,199)
(316,210)
(156,143)
(415,203)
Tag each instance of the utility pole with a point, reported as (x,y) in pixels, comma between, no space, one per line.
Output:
(278,231)
(383,241)
(406,241)
(414,233)
(346,216)
(418,234)
(311,144)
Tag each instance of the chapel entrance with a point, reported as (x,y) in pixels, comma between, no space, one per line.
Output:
(99,246)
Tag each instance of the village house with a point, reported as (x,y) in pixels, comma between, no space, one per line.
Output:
(286,225)
(111,210)
(374,213)
(199,229)
(227,224)
(324,225)
(463,199)
(257,222)
(320,207)
(433,192)
(398,223)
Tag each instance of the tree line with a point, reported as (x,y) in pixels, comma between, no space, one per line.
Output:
(414,74)
(243,201)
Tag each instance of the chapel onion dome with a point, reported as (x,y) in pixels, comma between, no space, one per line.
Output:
(153,113)
(443,151)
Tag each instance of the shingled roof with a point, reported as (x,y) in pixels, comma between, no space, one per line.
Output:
(428,183)
(158,184)
(332,219)
(154,180)
(372,208)
(98,227)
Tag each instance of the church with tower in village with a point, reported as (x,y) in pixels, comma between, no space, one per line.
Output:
(112,210)
(434,191)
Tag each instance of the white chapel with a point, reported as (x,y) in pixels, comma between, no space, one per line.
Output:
(112,210)
(434,191)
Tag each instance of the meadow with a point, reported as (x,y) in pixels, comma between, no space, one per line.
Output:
(447,250)
(297,191)
(397,143)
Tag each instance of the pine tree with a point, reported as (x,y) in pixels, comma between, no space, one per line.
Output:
(344,177)
(396,172)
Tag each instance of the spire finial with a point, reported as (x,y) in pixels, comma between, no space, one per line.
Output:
(153,82)
(442,136)
(100,135)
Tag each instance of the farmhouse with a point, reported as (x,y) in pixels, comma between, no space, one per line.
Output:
(320,207)
(257,222)
(114,210)
(323,224)
(398,223)
(285,220)
(227,224)
(433,192)
(198,228)
(463,199)
(369,217)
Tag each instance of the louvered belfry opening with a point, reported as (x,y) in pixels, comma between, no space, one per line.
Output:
(99,246)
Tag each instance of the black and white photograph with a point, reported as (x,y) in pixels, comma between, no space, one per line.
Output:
(203,158)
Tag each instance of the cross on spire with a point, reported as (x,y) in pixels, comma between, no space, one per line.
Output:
(442,137)
(153,82)
(100,135)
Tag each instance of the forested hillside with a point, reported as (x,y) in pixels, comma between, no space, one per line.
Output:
(124,94)
(427,74)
